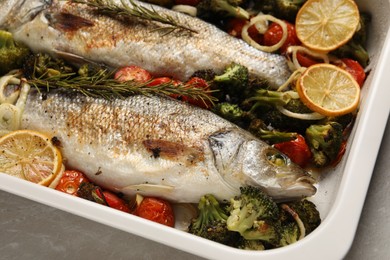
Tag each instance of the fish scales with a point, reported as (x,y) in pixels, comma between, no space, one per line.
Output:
(158,146)
(72,28)
(150,145)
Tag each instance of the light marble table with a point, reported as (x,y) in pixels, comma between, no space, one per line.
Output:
(29,230)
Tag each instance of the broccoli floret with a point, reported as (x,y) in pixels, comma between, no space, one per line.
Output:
(42,65)
(221,8)
(231,84)
(271,136)
(289,234)
(288,9)
(247,120)
(284,9)
(87,190)
(206,74)
(234,75)
(355,48)
(250,244)
(264,230)
(297,219)
(325,142)
(231,112)
(90,70)
(345,120)
(12,54)
(265,103)
(211,222)
(253,214)
(307,212)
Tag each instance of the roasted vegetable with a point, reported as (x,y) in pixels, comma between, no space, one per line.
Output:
(283,9)
(307,213)
(297,150)
(71,181)
(12,53)
(265,105)
(231,112)
(157,210)
(254,215)
(355,48)
(211,222)
(42,65)
(245,244)
(235,75)
(271,136)
(221,8)
(325,141)
(289,234)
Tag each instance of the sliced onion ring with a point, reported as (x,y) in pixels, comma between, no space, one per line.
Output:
(293,50)
(261,18)
(306,116)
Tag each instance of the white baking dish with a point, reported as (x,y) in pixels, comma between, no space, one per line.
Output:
(341,192)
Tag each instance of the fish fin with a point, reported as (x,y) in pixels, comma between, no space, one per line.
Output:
(68,22)
(75,59)
(173,151)
(225,146)
(146,188)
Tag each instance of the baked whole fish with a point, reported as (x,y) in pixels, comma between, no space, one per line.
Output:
(64,27)
(159,146)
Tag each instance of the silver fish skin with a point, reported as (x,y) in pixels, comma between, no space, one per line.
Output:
(158,146)
(63,27)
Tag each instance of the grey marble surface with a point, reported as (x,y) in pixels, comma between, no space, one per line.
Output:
(29,230)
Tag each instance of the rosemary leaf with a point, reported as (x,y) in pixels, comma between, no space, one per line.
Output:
(102,85)
(109,8)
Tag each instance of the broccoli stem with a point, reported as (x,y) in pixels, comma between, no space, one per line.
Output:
(273,136)
(235,11)
(259,129)
(6,40)
(270,97)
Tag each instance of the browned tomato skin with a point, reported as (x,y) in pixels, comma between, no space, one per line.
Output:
(157,210)
(71,181)
(297,150)
(133,73)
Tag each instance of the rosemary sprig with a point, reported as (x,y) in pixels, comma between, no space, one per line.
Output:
(102,85)
(108,7)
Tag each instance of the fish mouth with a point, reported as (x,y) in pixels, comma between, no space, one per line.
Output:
(293,181)
(305,185)
(299,188)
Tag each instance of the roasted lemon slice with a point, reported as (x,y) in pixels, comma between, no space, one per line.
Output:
(328,90)
(30,155)
(325,25)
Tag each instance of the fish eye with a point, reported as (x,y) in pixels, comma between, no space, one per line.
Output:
(277,158)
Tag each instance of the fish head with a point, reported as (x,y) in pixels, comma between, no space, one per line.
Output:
(241,159)
(15,13)
(274,171)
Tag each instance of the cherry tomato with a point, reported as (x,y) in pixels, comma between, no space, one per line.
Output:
(234,28)
(134,73)
(297,150)
(275,33)
(159,81)
(70,181)
(187,2)
(157,210)
(305,60)
(113,201)
(198,83)
(356,70)
(340,154)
